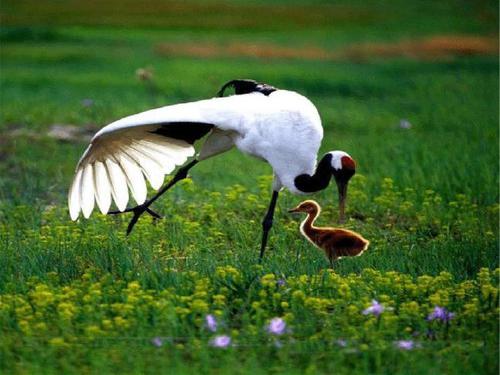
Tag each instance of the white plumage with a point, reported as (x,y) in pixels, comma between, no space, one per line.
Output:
(283,128)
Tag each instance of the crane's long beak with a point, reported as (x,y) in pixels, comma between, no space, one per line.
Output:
(342,187)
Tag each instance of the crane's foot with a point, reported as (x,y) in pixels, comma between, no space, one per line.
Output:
(138,211)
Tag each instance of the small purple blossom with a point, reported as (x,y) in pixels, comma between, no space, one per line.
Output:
(405,344)
(341,342)
(281,282)
(87,103)
(405,124)
(440,313)
(278,344)
(157,341)
(211,323)
(277,326)
(221,341)
(375,309)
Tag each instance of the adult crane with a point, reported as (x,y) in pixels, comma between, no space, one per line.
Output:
(278,126)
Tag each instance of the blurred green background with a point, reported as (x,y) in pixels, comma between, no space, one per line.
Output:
(366,65)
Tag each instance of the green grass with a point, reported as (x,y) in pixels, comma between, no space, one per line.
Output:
(426,197)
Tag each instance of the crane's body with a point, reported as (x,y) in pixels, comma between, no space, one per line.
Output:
(280,127)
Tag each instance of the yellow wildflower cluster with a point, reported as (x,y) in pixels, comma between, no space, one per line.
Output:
(322,305)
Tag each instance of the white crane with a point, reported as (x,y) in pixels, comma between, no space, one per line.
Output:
(279,126)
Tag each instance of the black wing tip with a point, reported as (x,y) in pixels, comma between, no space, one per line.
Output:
(246,86)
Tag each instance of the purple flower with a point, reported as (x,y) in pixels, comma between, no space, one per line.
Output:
(440,313)
(278,344)
(375,309)
(405,124)
(277,326)
(221,341)
(405,344)
(211,323)
(87,102)
(341,342)
(281,282)
(157,341)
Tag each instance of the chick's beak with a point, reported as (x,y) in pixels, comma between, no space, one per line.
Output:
(292,210)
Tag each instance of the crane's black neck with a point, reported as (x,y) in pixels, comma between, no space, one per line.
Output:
(319,180)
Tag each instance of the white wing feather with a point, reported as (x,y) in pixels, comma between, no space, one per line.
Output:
(102,187)
(118,186)
(74,196)
(135,180)
(165,161)
(151,169)
(87,190)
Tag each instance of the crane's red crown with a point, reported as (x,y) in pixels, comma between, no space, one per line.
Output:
(348,163)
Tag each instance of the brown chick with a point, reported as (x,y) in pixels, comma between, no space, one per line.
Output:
(335,242)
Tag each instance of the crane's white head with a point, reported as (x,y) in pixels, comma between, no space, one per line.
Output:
(343,168)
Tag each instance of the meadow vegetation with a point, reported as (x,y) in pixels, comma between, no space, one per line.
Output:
(84,298)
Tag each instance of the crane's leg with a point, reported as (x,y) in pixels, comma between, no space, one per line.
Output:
(267,223)
(333,261)
(140,209)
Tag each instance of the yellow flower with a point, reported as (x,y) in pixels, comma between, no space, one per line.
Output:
(92,331)
(66,310)
(24,326)
(182,311)
(268,280)
(40,328)
(107,324)
(132,300)
(121,322)
(219,299)
(255,305)
(58,342)
(42,296)
(298,295)
(199,306)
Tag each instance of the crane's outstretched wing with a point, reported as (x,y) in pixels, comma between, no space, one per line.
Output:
(121,158)
(149,144)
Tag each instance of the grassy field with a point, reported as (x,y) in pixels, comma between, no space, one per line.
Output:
(83,298)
